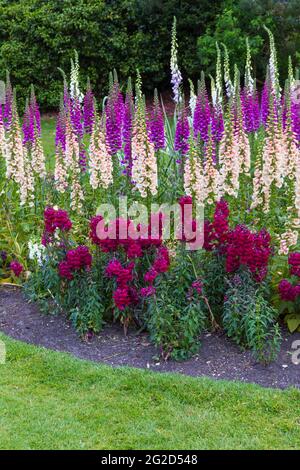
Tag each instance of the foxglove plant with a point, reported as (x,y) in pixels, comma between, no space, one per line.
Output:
(176,77)
(182,132)
(35,111)
(156,124)
(88,109)
(114,111)
(7,112)
(144,163)
(127,128)
(202,114)
(100,161)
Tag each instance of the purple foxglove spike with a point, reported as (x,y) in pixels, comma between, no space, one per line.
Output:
(88,110)
(82,158)
(217,124)
(250,110)
(156,128)
(202,117)
(114,120)
(7,112)
(34,108)
(295,111)
(28,126)
(264,108)
(182,133)
(127,128)
(60,135)
(76,118)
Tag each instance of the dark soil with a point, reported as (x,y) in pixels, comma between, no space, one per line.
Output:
(218,357)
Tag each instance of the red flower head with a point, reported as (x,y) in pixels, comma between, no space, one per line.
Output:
(16,268)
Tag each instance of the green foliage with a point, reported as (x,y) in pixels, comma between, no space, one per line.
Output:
(249,319)
(83,299)
(177,315)
(36,37)
(214,279)
(241,19)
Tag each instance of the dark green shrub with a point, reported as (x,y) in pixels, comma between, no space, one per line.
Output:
(249,319)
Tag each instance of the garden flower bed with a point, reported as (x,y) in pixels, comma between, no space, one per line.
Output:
(219,358)
(88,231)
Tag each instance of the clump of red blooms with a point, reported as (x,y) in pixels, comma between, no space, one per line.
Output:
(240,245)
(136,242)
(16,268)
(55,219)
(76,260)
(287,290)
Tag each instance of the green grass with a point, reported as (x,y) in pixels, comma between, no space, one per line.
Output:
(50,400)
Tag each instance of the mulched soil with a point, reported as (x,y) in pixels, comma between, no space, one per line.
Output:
(218,358)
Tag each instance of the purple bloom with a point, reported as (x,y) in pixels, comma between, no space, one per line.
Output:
(76,117)
(34,109)
(7,113)
(295,111)
(127,128)
(28,125)
(156,124)
(182,133)
(60,134)
(88,110)
(114,119)
(250,108)
(202,115)
(217,124)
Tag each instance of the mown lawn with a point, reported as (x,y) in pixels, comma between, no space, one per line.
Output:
(50,400)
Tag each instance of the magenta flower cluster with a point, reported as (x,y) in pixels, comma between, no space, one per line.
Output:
(240,245)
(76,260)
(138,250)
(54,219)
(289,291)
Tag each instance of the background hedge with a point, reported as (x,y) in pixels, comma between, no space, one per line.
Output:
(37,36)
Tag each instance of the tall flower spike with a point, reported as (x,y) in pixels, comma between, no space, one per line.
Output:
(38,161)
(144,163)
(127,128)
(72,157)
(18,166)
(228,83)
(193,99)
(202,112)
(182,131)
(114,111)
(60,134)
(249,82)
(34,108)
(7,114)
(176,77)
(75,92)
(156,124)
(28,125)
(219,82)
(88,109)
(274,75)
(194,181)
(211,173)
(3,143)
(100,161)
